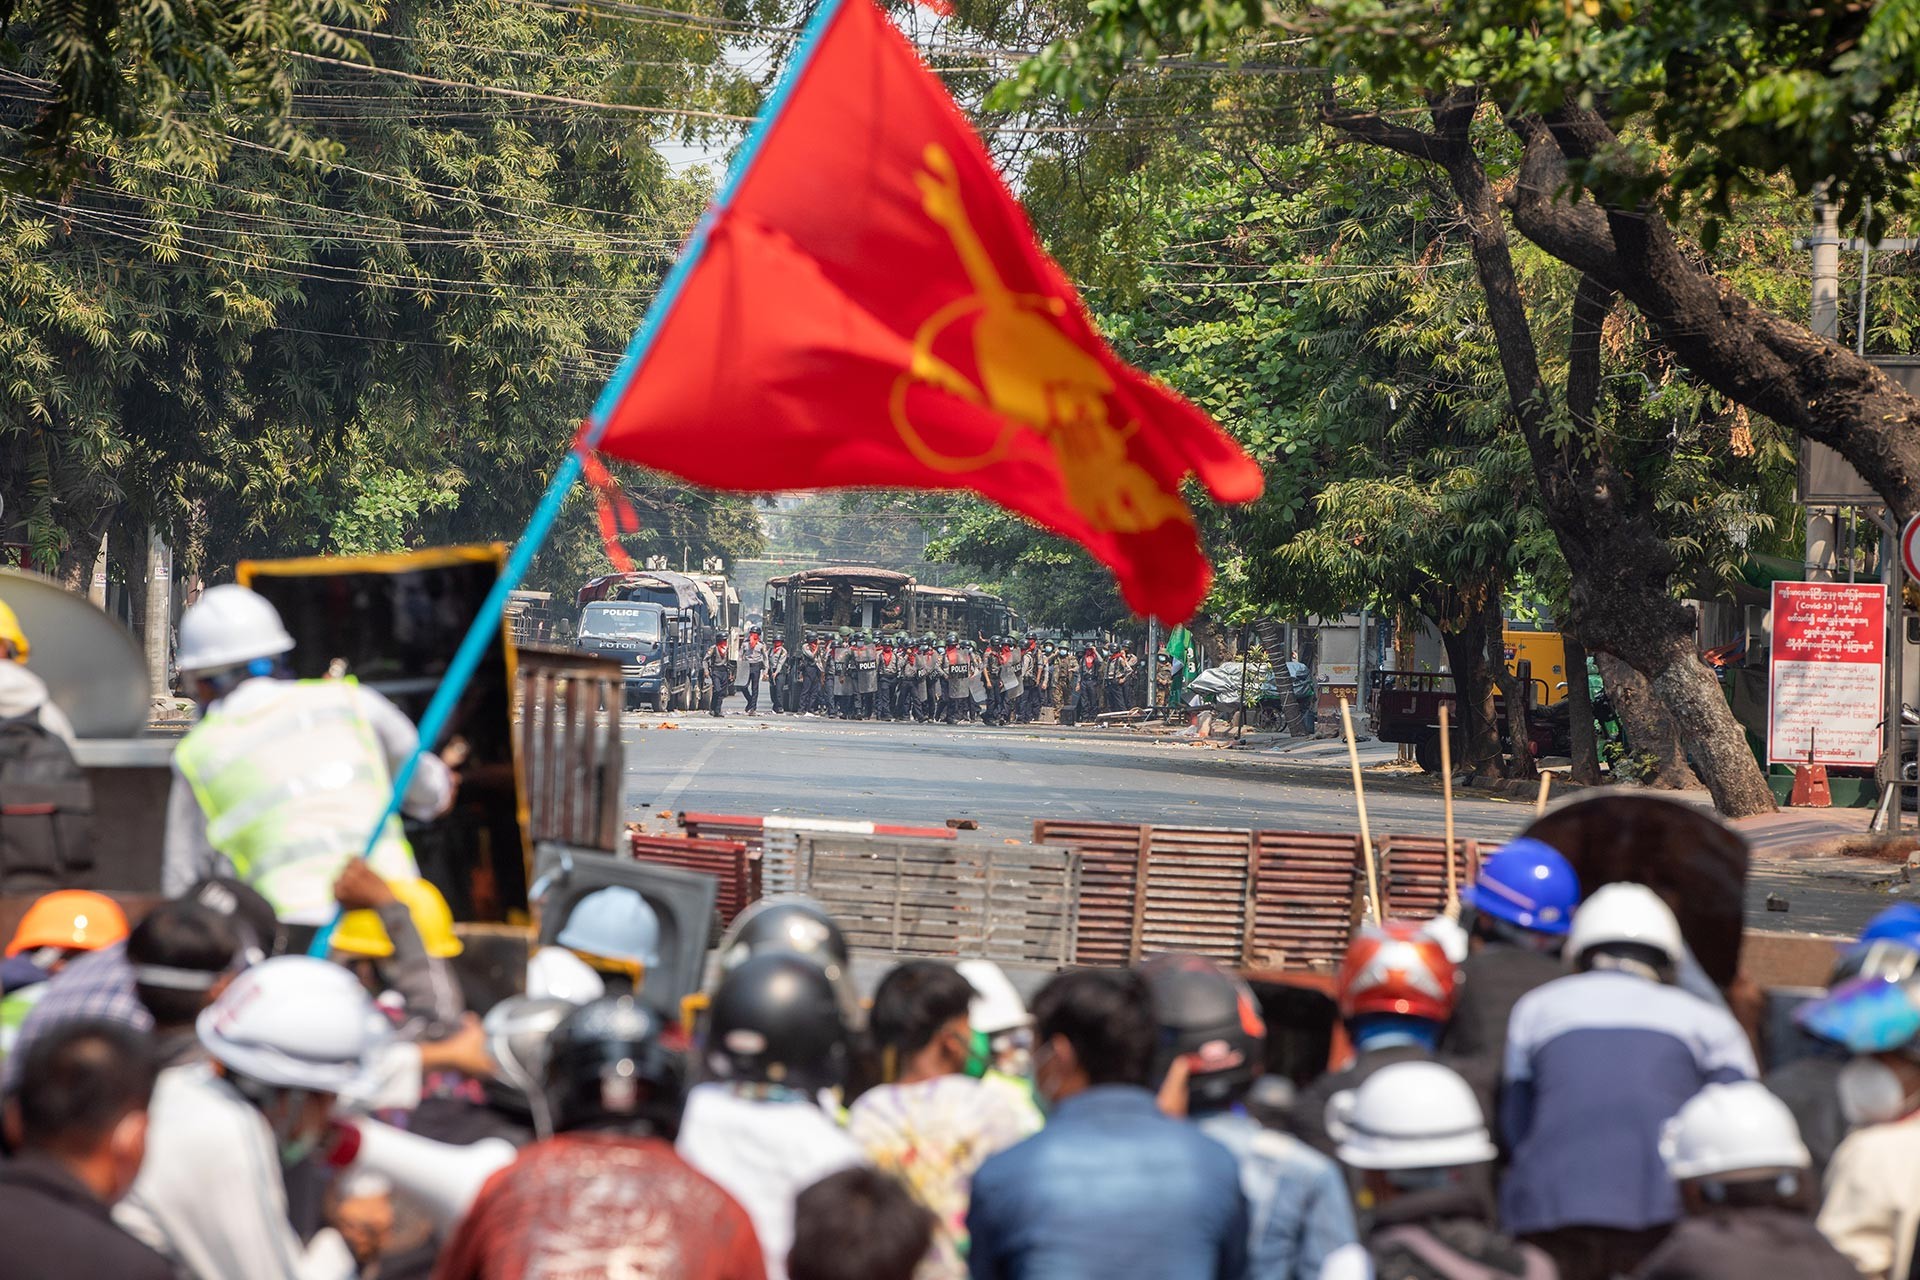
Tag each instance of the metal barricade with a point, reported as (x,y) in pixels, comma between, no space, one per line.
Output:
(1013,904)
(730,862)
(566,727)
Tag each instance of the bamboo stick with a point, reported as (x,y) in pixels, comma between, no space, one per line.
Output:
(1540,805)
(1366,834)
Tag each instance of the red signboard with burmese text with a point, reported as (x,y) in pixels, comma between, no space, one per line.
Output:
(1827,675)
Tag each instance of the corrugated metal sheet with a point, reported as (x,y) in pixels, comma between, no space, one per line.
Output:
(1268,898)
(1150,888)
(736,867)
(1415,873)
(1304,900)
(1014,904)
(722,826)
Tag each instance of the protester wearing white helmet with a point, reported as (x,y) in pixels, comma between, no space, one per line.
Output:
(1871,1212)
(617,931)
(284,1038)
(282,780)
(1596,1063)
(1000,1015)
(1736,1153)
(1414,1132)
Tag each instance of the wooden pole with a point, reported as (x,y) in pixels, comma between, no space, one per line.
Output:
(1360,801)
(1546,785)
(1446,792)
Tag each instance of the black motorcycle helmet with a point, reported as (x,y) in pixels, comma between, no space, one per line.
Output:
(795,925)
(1212,1020)
(776,1020)
(608,1067)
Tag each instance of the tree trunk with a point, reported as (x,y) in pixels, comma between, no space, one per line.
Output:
(1512,691)
(1715,741)
(1473,696)
(1621,568)
(1648,727)
(1584,743)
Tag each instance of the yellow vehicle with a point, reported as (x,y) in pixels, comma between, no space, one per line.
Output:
(1546,652)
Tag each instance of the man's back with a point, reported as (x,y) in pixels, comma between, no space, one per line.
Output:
(1110,1188)
(1492,980)
(52,1228)
(1296,1197)
(1595,1064)
(602,1207)
(765,1154)
(210,1194)
(1735,1244)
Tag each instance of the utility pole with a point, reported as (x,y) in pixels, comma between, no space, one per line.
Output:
(158,623)
(1361,675)
(1824,320)
(1153,658)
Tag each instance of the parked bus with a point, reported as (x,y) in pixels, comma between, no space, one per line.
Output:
(882,601)
(865,599)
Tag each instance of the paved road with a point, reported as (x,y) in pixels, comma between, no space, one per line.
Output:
(1006,778)
(1003,779)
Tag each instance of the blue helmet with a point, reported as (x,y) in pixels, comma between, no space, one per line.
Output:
(1865,1015)
(1526,883)
(1889,947)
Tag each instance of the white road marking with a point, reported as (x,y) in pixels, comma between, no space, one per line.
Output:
(685,776)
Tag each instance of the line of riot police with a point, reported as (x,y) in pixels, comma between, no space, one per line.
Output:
(852,674)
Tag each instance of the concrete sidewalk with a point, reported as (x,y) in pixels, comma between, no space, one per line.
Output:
(1829,844)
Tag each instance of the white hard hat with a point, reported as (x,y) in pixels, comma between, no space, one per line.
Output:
(996,1006)
(228,626)
(558,973)
(1410,1115)
(1739,1128)
(615,922)
(1625,912)
(294,1022)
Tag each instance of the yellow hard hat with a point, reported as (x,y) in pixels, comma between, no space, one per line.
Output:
(10,633)
(361,933)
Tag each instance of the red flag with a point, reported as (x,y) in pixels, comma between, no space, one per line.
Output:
(872,308)
(616,514)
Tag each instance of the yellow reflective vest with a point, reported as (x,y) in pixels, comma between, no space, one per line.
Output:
(291,788)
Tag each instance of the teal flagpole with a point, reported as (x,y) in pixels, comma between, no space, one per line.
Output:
(486,624)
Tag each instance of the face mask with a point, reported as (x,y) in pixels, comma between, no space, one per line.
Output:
(1871,1092)
(979,1054)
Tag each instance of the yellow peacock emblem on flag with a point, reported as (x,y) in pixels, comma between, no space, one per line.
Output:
(1030,374)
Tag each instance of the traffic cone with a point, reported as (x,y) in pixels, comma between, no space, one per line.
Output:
(1810,789)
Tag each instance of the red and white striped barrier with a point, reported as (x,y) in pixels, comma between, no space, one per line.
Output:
(752,830)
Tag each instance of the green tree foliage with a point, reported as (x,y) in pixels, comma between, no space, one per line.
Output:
(266,349)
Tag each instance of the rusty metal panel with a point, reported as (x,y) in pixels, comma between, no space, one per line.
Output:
(567,734)
(1413,873)
(725,826)
(1303,899)
(1150,888)
(729,861)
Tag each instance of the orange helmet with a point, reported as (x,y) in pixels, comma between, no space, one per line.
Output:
(71,919)
(1395,968)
